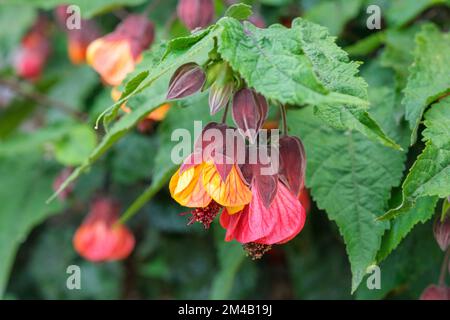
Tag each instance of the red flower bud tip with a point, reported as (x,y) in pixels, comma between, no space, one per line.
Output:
(256,250)
(34,51)
(434,292)
(115,55)
(441,231)
(62,176)
(257,20)
(205,215)
(249,112)
(187,80)
(195,13)
(99,238)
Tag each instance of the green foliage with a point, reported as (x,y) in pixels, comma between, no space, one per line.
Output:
(428,79)
(350,178)
(430,174)
(26,182)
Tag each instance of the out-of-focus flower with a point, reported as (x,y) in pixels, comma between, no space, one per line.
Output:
(249,112)
(62,176)
(78,39)
(207,181)
(441,231)
(34,50)
(113,56)
(186,80)
(100,237)
(434,292)
(195,13)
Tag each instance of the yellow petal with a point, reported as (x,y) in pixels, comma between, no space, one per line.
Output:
(231,193)
(233,210)
(187,188)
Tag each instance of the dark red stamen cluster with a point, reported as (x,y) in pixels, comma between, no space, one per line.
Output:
(205,215)
(256,250)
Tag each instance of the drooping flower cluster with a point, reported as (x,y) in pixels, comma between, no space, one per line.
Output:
(259,200)
(100,237)
(34,50)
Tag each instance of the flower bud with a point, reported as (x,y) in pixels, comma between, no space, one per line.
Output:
(292,163)
(99,238)
(249,112)
(222,87)
(441,231)
(187,80)
(434,292)
(195,13)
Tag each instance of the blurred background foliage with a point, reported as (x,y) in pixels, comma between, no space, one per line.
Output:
(48,124)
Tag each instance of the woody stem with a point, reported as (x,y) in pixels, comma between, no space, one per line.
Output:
(283,118)
(444,268)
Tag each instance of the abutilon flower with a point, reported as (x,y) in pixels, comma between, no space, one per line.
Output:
(274,215)
(195,13)
(434,292)
(441,230)
(186,80)
(100,237)
(113,56)
(34,51)
(249,112)
(207,181)
(62,176)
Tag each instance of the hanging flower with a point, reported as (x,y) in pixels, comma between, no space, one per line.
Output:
(275,215)
(114,56)
(100,237)
(209,180)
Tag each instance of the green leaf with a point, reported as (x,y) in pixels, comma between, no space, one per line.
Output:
(298,66)
(76,145)
(428,78)
(366,45)
(239,11)
(230,256)
(400,12)
(398,53)
(147,96)
(26,182)
(409,269)
(343,11)
(351,178)
(430,174)
(402,225)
